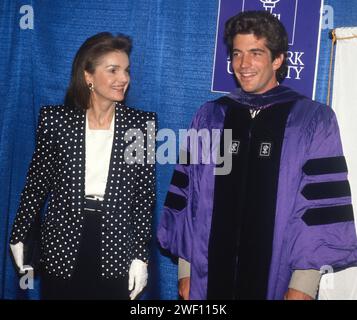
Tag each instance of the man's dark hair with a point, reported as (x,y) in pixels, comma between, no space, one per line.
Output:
(87,59)
(264,25)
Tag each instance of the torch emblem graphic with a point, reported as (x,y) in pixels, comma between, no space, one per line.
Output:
(269,5)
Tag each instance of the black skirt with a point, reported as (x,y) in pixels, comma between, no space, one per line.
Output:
(86,282)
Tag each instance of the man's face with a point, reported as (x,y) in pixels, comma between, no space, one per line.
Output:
(252,64)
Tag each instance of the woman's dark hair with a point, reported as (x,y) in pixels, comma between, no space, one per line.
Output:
(263,25)
(86,59)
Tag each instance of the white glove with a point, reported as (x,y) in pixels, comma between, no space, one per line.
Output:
(18,253)
(138,275)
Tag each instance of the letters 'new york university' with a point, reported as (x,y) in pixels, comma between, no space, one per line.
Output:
(302,20)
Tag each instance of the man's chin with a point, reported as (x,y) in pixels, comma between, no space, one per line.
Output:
(248,89)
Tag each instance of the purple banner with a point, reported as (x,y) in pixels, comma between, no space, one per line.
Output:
(301,19)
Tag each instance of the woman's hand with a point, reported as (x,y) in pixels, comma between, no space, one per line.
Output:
(18,254)
(138,276)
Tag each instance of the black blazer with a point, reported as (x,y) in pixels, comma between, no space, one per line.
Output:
(57,172)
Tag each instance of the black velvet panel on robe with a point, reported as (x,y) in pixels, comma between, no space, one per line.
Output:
(242,228)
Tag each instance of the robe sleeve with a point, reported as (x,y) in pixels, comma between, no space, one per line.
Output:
(322,226)
(176,223)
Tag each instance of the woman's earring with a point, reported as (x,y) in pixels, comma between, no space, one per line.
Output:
(90,86)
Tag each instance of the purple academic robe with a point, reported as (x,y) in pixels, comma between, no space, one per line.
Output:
(313,224)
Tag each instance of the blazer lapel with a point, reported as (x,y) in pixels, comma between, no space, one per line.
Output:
(117,167)
(78,161)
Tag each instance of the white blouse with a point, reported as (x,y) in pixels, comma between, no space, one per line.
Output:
(98,151)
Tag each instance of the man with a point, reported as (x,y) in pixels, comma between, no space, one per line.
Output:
(264,230)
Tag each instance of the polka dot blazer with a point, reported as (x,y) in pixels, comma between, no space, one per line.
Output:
(57,173)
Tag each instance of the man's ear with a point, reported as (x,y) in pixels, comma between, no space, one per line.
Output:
(278,61)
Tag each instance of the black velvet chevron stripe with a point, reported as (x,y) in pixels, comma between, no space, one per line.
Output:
(175,201)
(179,179)
(326,190)
(325,166)
(328,215)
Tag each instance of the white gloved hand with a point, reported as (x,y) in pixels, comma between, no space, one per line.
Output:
(138,276)
(18,253)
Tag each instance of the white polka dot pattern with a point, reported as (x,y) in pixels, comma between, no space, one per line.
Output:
(57,170)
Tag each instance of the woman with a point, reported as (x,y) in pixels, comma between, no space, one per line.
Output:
(97,225)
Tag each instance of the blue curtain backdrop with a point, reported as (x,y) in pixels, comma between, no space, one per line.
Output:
(171,65)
